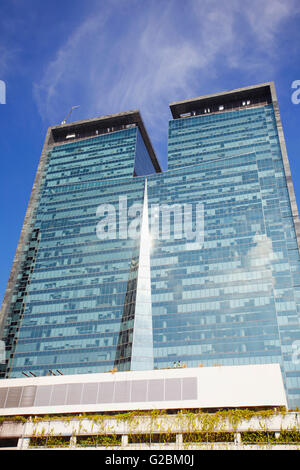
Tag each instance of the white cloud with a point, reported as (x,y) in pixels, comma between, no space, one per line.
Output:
(62,74)
(7,59)
(157,54)
(265,19)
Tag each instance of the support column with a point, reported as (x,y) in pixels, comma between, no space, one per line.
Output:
(179,440)
(73,441)
(23,443)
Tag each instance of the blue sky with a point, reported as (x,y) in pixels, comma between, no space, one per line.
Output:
(111,56)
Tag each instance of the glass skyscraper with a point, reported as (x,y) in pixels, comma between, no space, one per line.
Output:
(123,266)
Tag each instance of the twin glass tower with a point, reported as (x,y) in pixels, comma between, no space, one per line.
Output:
(121,265)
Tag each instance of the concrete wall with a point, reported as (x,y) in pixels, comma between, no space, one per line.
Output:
(72,429)
(205,387)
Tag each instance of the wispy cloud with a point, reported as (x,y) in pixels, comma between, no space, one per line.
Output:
(267,17)
(157,52)
(8,58)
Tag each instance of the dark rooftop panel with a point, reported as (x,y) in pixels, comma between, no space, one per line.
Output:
(73,131)
(256,94)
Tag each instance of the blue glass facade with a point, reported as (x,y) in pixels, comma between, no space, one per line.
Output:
(235,300)
(79,286)
(87,292)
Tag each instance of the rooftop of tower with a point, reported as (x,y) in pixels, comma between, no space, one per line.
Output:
(224,101)
(94,127)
